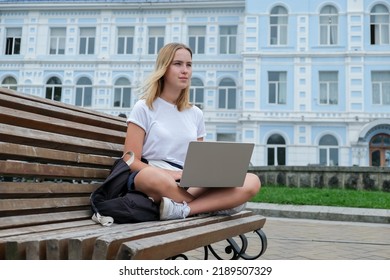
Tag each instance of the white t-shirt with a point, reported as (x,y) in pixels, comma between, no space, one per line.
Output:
(168,131)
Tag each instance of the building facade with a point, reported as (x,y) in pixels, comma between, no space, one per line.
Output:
(307,81)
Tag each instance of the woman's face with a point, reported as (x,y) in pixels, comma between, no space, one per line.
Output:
(178,74)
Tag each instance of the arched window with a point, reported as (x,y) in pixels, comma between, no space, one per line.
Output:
(276,150)
(328,150)
(122,93)
(84,92)
(227,94)
(10,83)
(379,25)
(53,89)
(380,150)
(197,92)
(278,26)
(329,25)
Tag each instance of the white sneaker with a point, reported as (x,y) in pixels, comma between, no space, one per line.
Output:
(231,211)
(171,210)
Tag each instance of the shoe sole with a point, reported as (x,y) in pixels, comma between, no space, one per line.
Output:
(162,212)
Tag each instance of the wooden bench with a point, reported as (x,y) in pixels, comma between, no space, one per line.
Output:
(52,156)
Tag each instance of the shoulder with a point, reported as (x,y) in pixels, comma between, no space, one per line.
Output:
(196,110)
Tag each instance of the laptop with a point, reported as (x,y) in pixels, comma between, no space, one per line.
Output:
(216,164)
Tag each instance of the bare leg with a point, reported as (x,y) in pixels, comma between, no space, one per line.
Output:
(155,183)
(210,200)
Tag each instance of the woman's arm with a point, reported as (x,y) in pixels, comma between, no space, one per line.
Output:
(134,142)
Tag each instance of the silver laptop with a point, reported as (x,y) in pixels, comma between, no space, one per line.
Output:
(216,164)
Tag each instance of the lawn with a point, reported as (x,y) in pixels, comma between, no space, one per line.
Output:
(323,197)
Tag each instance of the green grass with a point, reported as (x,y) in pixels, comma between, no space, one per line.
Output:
(323,197)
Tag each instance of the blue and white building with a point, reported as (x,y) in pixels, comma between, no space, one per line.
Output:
(308,81)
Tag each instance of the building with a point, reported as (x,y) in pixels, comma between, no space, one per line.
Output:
(307,81)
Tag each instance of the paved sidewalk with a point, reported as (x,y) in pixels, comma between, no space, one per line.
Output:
(328,213)
(318,233)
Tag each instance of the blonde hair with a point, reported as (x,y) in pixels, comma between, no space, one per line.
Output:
(154,85)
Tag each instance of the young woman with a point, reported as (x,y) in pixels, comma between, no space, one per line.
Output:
(160,126)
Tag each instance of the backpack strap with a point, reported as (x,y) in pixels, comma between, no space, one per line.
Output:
(131,159)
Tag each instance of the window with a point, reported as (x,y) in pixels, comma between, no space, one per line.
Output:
(13,41)
(122,93)
(329,152)
(156,39)
(57,40)
(228,39)
(328,81)
(10,83)
(197,92)
(380,87)
(276,150)
(379,25)
(53,89)
(125,40)
(87,40)
(196,39)
(277,87)
(226,137)
(278,26)
(380,150)
(84,92)
(227,94)
(329,25)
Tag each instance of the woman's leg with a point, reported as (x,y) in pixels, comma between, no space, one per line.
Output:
(210,200)
(156,183)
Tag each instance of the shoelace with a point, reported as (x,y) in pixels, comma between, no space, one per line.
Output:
(178,209)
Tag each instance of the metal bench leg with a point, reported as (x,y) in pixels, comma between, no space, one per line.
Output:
(238,251)
(234,249)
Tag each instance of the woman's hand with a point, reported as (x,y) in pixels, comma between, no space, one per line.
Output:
(176,175)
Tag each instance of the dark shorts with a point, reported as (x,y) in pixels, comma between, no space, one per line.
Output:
(130,181)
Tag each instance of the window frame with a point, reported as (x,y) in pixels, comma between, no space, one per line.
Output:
(122,87)
(280,26)
(383,86)
(227,92)
(156,39)
(197,34)
(228,41)
(58,41)
(329,85)
(377,37)
(327,152)
(84,90)
(329,26)
(278,85)
(87,42)
(13,41)
(128,39)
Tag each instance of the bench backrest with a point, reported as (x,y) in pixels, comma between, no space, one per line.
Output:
(52,156)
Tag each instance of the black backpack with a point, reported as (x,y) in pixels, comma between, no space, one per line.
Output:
(114,202)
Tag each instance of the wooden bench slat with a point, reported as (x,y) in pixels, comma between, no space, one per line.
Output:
(24,136)
(43,203)
(107,246)
(44,189)
(60,110)
(17,225)
(16,242)
(14,247)
(13,151)
(168,245)
(19,168)
(40,122)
